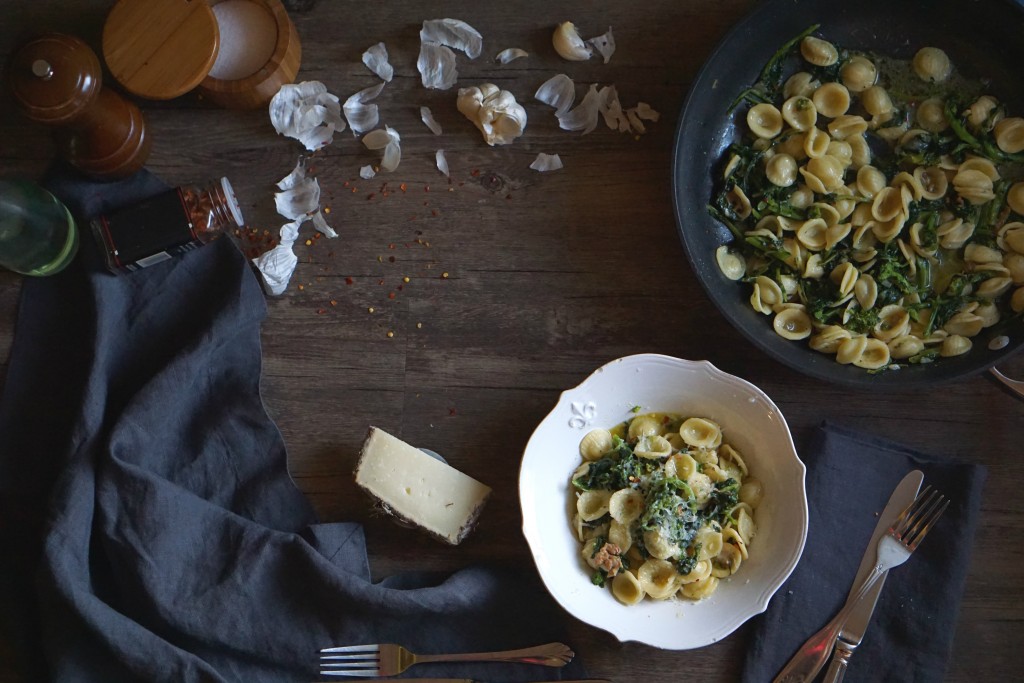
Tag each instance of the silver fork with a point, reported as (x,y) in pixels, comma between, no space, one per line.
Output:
(894,548)
(390,660)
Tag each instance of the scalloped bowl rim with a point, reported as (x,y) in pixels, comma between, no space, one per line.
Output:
(679,386)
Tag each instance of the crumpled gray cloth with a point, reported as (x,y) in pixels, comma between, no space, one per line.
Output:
(150,529)
(850,476)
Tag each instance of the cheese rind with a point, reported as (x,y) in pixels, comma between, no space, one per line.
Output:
(419,489)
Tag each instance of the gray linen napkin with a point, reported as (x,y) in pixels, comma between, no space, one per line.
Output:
(850,477)
(150,528)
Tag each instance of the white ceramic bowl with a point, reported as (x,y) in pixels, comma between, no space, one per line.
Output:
(751,422)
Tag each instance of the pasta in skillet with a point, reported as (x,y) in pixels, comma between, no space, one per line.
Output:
(665,510)
(880,214)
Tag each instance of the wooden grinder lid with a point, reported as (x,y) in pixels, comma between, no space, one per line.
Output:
(54,77)
(160,49)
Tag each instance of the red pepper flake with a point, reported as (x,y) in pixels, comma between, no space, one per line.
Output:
(391,259)
(320,311)
(426,188)
(402,187)
(317,235)
(475,172)
(334,302)
(391,295)
(380,282)
(433,212)
(370,196)
(399,288)
(452,412)
(302,287)
(349,281)
(391,246)
(354,190)
(345,184)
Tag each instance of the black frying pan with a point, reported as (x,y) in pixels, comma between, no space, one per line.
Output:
(984,39)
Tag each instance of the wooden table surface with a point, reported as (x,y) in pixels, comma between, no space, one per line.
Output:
(541,287)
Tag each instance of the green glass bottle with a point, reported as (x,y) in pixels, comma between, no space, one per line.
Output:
(38,236)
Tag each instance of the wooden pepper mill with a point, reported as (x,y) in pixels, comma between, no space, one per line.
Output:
(56,79)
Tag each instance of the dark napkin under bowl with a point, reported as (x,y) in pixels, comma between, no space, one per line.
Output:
(850,477)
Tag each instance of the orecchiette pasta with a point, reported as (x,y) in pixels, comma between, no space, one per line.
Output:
(932,64)
(858,73)
(898,251)
(664,526)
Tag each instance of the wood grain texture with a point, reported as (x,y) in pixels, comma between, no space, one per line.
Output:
(548,277)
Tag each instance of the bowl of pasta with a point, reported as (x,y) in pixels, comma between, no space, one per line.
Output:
(849,186)
(663,501)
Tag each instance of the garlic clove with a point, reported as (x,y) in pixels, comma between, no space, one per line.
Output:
(428,120)
(453,33)
(442,162)
(360,115)
(494,112)
(512,53)
(306,112)
(546,162)
(376,60)
(568,44)
(436,65)
(585,115)
(389,140)
(558,91)
(299,195)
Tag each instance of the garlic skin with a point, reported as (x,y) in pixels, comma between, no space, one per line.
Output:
(568,44)
(494,111)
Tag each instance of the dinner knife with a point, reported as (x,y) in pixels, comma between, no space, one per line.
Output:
(853,631)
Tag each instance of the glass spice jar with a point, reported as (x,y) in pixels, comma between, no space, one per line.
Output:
(166,225)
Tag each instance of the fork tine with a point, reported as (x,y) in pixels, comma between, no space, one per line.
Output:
(912,513)
(351,659)
(926,524)
(365,673)
(353,648)
(913,523)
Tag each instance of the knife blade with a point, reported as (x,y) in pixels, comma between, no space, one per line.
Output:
(853,631)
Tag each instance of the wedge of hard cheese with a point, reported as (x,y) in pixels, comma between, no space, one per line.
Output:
(418,489)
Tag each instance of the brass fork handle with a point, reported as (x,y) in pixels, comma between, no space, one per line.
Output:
(551,654)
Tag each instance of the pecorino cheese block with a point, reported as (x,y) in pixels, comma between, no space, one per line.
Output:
(418,489)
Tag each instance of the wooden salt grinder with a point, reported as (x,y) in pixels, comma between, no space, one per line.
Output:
(56,79)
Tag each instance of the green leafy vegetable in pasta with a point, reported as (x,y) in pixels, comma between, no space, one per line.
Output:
(876,205)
